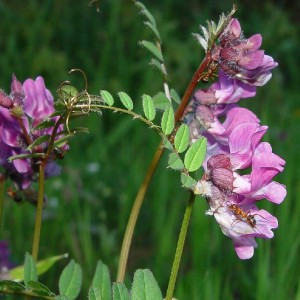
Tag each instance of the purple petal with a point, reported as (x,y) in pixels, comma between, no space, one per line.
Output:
(38,100)
(252,60)
(244,247)
(254,42)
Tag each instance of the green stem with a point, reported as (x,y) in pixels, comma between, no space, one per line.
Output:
(179,248)
(134,214)
(39,212)
(144,187)
(2,180)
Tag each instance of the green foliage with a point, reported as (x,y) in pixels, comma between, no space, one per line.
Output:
(148,107)
(30,271)
(101,281)
(120,292)
(187,181)
(195,155)
(161,101)
(126,100)
(182,138)
(95,294)
(168,121)
(145,287)
(70,280)
(107,97)
(40,140)
(42,266)
(38,289)
(175,162)
(153,49)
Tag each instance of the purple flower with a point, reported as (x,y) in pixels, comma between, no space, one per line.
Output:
(226,90)
(241,58)
(243,224)
(20,112)
(234,139)
(235,145)
(231,196)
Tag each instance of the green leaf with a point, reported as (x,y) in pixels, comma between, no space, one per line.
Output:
(39,141)
(175,96)
(148,107)
(187,181)
(27,155)
(145,287)
(153,49)
(39,289)
(12,286)
(95,294)
(195,155)
(67,92)
(126,100)
(70,280)
(30,271)
(182,138)
(167,144)
(146,12)
(153,28)
(161,101)
(44,124)
(168,121)
(175,162)
(120,292)
(107,97)
(102,281)
(42,266)
(154,62)
(45,264)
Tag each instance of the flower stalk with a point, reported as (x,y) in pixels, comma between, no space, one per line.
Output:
(39,212)
(179,248)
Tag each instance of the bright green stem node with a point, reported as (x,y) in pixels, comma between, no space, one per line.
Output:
(179,248)
(39,212)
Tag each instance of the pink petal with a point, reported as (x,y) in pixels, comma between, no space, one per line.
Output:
(252,60)
(244,247)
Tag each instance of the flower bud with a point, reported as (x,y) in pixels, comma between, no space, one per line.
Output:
(222,178)
(5,101)
(219,161)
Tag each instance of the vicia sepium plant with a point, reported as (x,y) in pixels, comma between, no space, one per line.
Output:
(207,130)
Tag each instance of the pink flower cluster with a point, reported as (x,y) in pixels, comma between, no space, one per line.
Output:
(20,112)
(234,143)
(241,58)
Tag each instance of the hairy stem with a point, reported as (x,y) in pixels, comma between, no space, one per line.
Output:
(144,187)
(179,248)
(39,212)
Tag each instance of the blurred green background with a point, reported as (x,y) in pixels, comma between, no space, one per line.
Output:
(89,204)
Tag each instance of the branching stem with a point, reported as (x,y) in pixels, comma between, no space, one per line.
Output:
(144,187)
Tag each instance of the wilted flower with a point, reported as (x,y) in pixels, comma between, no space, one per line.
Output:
(26,107)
